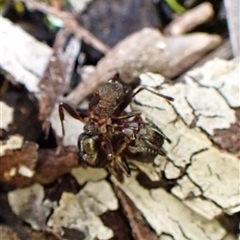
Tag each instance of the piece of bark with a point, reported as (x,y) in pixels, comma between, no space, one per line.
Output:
(83,175)
(212,111)
(191,19)
(140,230)
(81,212)
(56,78)
(51,166)
(22,164)
(146,51)
(191,194)
(17,165)
(53,82)
(218,178)
(222,75)
(171,171)
(28,203)
(226,80)
(191,148)
(25,59)
(13,142)
(167,215)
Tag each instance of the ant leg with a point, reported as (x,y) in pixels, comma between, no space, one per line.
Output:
(119,167)
(117,164)
(140,88)
(64,106)
(120,160)
(127,115)
(122,164)
(116,172)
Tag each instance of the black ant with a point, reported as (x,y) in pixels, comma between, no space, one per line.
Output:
(110,133)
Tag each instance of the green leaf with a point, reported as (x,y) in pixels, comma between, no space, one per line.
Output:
(175,6)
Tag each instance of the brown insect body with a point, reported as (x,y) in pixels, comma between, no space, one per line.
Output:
(108,101)
(111,134)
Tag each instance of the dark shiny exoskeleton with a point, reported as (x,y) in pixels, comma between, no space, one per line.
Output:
(111,134)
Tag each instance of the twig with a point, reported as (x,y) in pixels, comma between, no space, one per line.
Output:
(188,21)
(52,84)
(69,22)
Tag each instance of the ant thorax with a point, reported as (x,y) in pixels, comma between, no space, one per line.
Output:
(109,98)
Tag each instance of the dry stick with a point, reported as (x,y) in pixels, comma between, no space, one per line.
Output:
(191,19)
(69,22)
(52,84)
